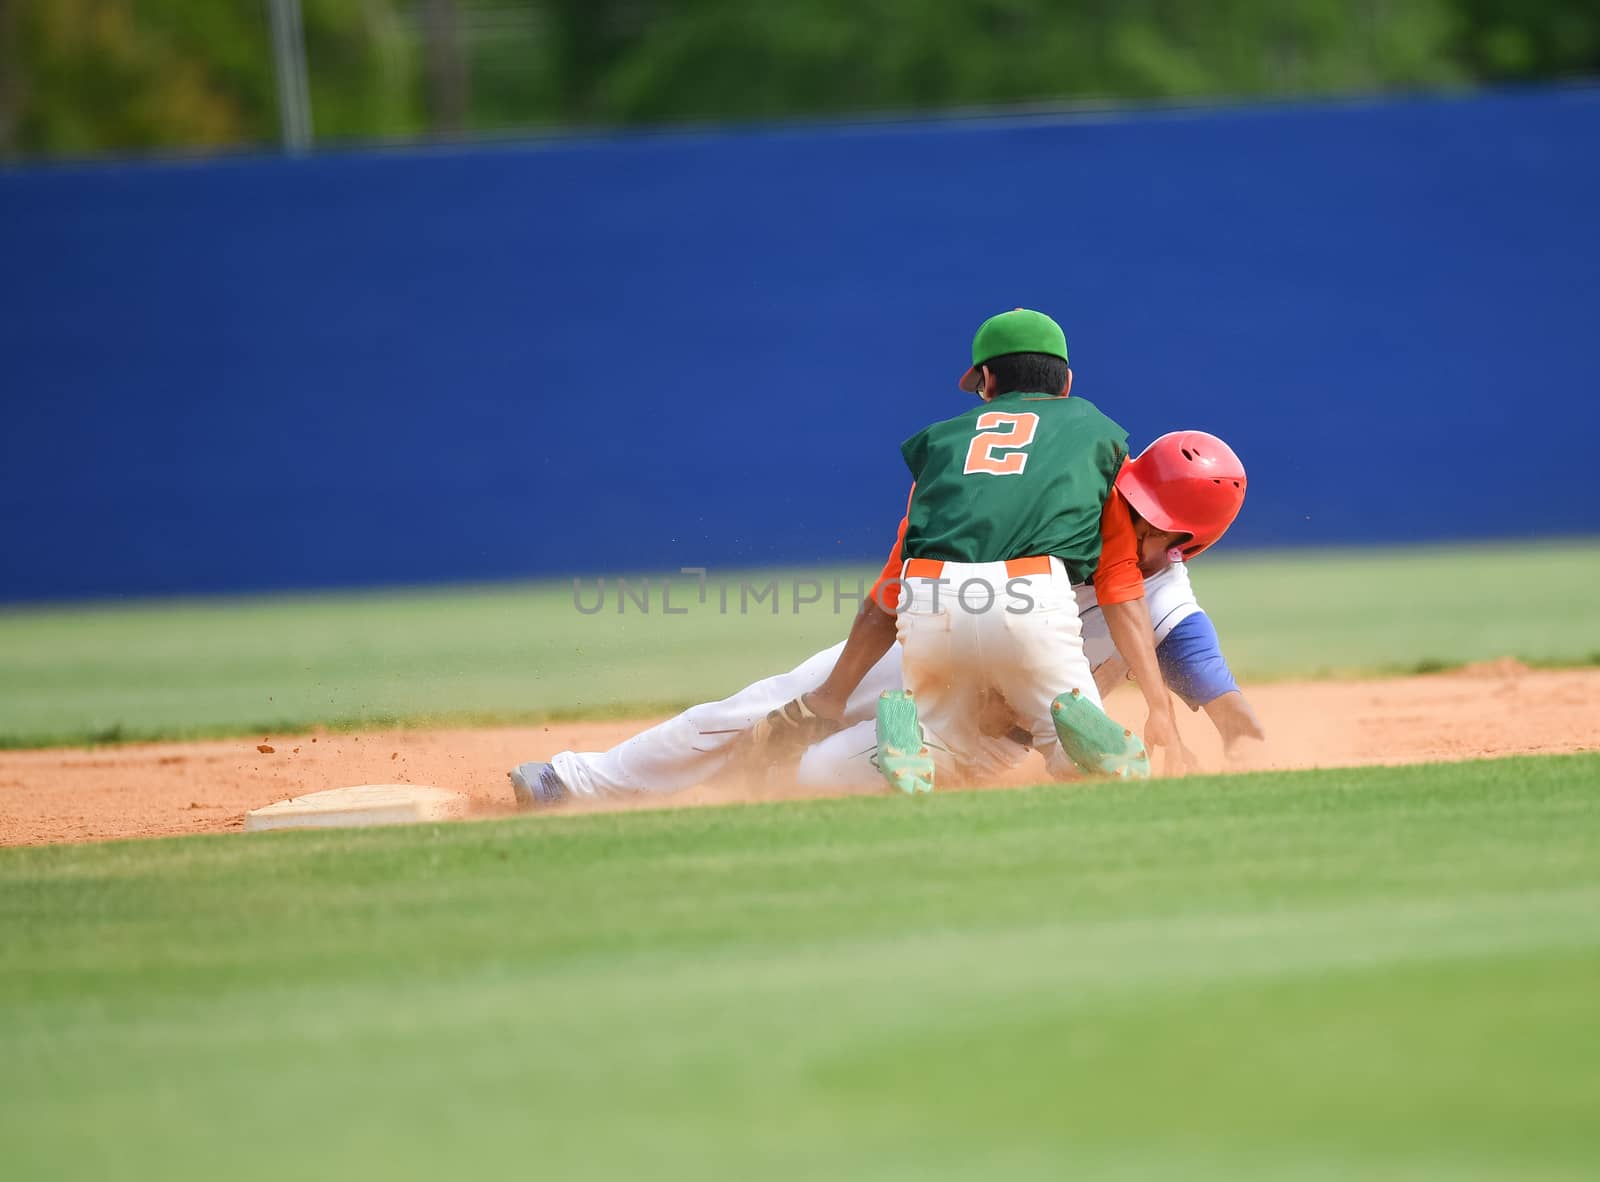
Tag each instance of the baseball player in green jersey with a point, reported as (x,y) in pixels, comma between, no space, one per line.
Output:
(1012,503)
(1186,488)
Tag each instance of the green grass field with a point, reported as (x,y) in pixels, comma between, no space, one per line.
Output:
(523,652)
(1379,973)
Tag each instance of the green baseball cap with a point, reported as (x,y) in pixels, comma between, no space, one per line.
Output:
(1018,331)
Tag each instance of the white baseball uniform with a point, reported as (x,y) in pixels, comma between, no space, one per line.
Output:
(695,746)
(1196,671)
(970,627)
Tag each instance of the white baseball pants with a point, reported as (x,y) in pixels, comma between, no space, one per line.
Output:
(966,628)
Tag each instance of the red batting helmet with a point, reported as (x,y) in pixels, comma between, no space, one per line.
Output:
(1186,482)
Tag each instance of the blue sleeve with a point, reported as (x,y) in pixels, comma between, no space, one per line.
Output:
(1192,662)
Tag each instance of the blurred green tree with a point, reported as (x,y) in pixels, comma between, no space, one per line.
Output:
(1528,39)
(90,76)
(83,76)
(696,59)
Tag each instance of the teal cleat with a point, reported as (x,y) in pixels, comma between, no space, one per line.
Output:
(903,758)
(1098,745)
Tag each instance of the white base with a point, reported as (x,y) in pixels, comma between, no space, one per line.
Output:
(367,804)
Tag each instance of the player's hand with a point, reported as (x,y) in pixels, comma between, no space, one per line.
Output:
(1188,762)
(787,731)
(1246,754)
(1161,730)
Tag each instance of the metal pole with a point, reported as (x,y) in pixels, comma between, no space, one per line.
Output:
(448,82)
(289,61)
(8,89)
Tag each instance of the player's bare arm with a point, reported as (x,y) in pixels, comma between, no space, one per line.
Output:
(1237,723)
(872,634)
(1119,589)
(1131,633)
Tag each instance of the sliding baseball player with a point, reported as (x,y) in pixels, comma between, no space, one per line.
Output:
(1185,489)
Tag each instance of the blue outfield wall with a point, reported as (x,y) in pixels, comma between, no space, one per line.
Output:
(703,349)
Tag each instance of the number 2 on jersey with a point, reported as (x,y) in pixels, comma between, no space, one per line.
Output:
(1018,432)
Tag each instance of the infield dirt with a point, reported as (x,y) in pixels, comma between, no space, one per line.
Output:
(150,790)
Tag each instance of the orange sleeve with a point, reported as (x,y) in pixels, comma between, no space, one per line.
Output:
(1117,578)
(891,568)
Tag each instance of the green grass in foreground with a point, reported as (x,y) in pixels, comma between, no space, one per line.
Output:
(202,667)
(1363,973)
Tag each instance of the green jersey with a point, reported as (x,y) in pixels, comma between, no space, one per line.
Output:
(1023,474)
